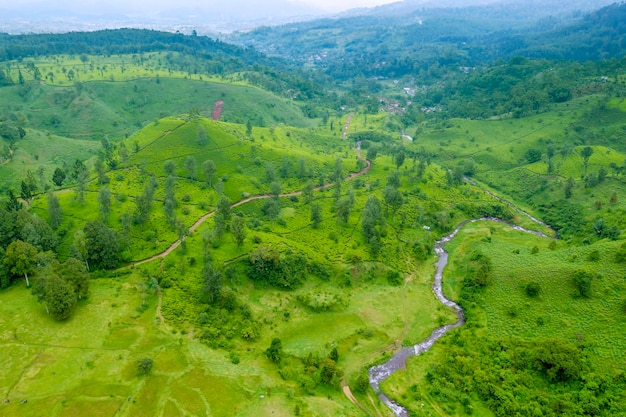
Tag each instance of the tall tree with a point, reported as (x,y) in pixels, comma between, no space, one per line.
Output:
(101,171)
(203,138)
(12,204)
(275,351)
(58,177)
(586,153)
(275,189)
(75,274)
(302,168)
(190,166)
(20,258)
(143,203)
(398,158)
(104,201)
(372,215)
(209,169)
(169,200)
(270,173)
(307,192)
(238,229)
(101,244)
(316,215)
(393,198)
(39,234)
(223,207)
(55,213)
(343,208)
(56,294)
(81,181)
(169,167)
(212,279)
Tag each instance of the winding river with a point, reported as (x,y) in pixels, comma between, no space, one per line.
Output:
(379,373)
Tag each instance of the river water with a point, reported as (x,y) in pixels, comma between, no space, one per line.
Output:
(379,373)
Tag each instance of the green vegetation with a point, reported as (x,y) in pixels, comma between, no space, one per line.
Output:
(158,260)
(533,342)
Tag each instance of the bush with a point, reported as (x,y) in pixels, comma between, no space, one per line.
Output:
(394,278)
(144,366)
(532,289)
(582,283)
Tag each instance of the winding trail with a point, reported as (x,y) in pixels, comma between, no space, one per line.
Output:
(202,219)
(379,373)
(344,134)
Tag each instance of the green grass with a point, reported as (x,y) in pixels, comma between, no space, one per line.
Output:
(503,311)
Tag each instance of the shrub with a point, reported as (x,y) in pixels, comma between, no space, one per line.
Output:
(532,289)
(394,278)
(144,366)
(582,283)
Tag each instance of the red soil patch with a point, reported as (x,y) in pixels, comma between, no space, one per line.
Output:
(217,110)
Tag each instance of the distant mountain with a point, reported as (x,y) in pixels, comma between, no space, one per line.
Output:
(211,15)
(408,38)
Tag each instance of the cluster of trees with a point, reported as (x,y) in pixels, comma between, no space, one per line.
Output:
(268,266)
(505,373)
(309,371)
(60,286)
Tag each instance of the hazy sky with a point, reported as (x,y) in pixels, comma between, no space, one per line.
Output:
(138,5)
(338,5)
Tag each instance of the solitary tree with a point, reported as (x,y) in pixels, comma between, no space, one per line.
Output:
(586,153)
(58,177)
(143,203)
(212,282)
(169,167)
(372,215)
(582,283)
(209,170)
(275,351)
(203,138)
(190,166)
(101,171)
(223,207)
(55,213)
(238,229)
(144,366)
(104,199)
(399,158)
(101,244)
(275,189)
(343,209)
(316,215)
(393,198)
(307,192)
(569,186)
(169,200)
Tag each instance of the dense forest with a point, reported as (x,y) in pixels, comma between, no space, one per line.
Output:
(190,227)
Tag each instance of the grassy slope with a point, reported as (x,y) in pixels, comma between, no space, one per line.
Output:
(504,311)
(372,316)
(114,103)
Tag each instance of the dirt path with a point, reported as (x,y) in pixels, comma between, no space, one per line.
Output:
(202,219)
(347,126)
